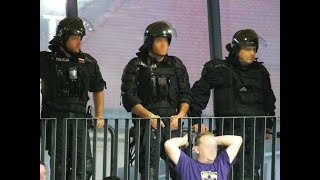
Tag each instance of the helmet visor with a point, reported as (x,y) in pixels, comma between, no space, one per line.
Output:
(160,28)
(249,39)
(87,25)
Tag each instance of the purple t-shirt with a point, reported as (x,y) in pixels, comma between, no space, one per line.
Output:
(191,169)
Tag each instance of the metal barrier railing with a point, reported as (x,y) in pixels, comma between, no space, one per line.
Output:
(75,137)
(217,125)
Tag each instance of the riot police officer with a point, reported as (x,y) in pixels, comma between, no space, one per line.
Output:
(67,75)
(155,85)
(241,88)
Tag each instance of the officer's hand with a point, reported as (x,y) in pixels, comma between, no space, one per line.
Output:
(100,122)
(204,128)
(268,134)
(174,122)
(154,120)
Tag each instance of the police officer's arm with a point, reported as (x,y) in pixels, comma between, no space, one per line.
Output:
(184,92)
(270,99)
(201,94)
(172,146)
(232,142)
(210,78)
(129,86)
(98,99)
(131,102)
(142,112)
(97,86)
(184,107)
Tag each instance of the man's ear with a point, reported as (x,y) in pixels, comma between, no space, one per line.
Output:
(196,149)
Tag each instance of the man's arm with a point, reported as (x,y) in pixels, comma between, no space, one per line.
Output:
(142,112)
(96,86)
(184,93)
(172,146)
(184,107)
(129,81)
(201,94)
(98,99)
(131,102)
(232,142)
(182,113)
(210,78)
(269,104)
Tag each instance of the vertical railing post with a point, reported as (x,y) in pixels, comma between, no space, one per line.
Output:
(43,138)
(137,149)
(74,148)
(126,150)
(53,148)
(147,150)
(274,136)
(105,147)
(94,152)
(64,148)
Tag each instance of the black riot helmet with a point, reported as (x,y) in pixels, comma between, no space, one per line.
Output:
(158,29)
(70,26)
(242,38)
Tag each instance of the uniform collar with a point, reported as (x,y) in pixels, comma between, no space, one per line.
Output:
(154,60)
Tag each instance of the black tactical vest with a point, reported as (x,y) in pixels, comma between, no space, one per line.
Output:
(250,87)
(65,82)
(242,92)
(158,86)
